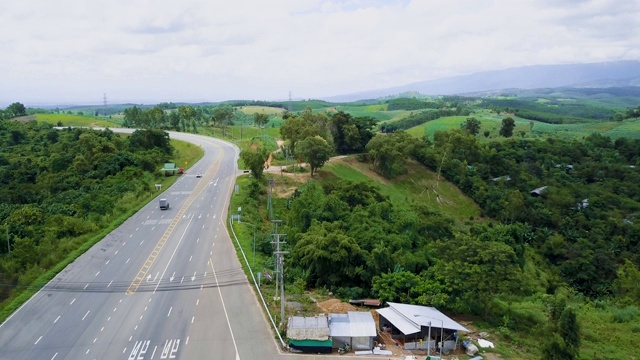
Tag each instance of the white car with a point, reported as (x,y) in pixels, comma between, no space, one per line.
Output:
(198,175)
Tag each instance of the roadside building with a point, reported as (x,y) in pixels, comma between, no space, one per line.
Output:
(356,328)
(419,327)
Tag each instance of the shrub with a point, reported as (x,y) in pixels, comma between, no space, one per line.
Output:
(626,314)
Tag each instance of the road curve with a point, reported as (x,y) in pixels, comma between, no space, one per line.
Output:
(163,285)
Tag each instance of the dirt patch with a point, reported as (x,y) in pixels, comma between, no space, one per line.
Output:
(336,306)
(25,118)
(284,192)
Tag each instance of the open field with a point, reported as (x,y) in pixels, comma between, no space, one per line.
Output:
(250,110)
(492,122)
(74,120)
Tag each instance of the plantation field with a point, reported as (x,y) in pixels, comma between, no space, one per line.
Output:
(74,120)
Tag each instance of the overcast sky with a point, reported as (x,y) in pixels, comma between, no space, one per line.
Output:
(63,51)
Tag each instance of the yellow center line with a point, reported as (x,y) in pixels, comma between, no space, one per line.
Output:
(165,237)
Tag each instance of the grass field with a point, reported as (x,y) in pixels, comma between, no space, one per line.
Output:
(250,110)
(531,129)
(75,120)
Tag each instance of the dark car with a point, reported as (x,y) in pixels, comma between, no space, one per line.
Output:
(164,204)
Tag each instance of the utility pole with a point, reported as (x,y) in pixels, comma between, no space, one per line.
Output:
(272,182)
(279,254)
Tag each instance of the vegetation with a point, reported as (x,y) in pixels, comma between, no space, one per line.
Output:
(62,188)
(441,215)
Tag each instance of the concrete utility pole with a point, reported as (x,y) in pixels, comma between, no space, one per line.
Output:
(279,264)
(272,183)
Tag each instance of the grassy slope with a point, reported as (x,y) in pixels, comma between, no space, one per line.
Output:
(418,185)
(492,122)
(75,120)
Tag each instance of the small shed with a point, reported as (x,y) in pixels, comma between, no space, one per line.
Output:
(356,328)
(309,334)
(539,191)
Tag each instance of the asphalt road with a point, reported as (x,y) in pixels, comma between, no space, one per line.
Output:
(164,285)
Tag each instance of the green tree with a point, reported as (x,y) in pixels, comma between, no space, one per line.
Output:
(260,119)
(151,139)
(389,152)
(255,160)
(333,258)
(132,117)
(293,130)
(188,114)
(569,330)
(15,109)
(222,116)
(472,125)
(297,128)
(508,124)
(315,151)
(464,265)
(350,134)
(395,286)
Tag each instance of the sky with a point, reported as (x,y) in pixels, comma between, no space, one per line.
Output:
(132,51)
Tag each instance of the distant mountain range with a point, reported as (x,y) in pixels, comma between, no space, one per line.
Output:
(593,75)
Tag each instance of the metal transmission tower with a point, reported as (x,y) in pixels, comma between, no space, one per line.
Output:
(104,102)
(279,254)
(290,101)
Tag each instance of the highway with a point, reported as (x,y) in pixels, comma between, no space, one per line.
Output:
(164,285)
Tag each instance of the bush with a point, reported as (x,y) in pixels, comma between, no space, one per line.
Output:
(626,314)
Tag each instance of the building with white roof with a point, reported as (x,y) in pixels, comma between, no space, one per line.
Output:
(413,323)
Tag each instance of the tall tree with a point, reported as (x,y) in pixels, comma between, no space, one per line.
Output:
(260,119)
(254,159)
(15,109)
(188,114)
(508,124)
(315,151)
(222,116)
(472,125)
(388,152)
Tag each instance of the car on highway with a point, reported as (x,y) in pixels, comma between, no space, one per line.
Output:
(164,204)
(198,175)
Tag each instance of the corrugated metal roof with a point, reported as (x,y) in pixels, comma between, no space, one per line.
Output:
(423,315)
(312,328)
(352,324)
(405,326)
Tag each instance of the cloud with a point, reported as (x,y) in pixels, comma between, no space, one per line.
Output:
(198,50)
